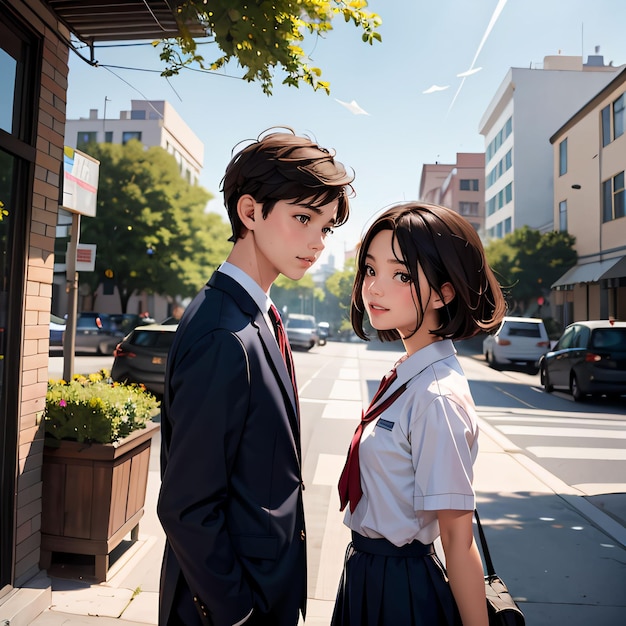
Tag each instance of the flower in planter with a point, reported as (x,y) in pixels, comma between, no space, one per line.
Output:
(94,409)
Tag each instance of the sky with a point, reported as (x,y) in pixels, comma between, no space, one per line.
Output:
(404,118)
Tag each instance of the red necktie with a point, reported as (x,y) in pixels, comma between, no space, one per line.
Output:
(283,344)
(350,479)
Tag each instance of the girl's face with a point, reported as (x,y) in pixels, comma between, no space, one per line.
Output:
(390,297)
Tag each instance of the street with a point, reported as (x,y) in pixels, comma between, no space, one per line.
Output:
(559,561)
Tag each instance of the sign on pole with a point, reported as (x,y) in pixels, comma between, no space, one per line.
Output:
(80,182)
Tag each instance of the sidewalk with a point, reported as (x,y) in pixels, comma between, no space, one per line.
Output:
(562,556)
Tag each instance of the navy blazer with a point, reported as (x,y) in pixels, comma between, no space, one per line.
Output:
(231,468)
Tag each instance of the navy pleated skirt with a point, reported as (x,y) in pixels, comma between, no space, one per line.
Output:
(386,585)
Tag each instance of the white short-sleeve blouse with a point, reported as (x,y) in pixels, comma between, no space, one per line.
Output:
(417,457)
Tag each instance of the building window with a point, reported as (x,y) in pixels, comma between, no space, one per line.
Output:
(618,117)
(499,139)
(84,138)
(606,125)
(508,193)
(563,157)
(502,166)
(508,225)
(127,135)
(108,136)
(137,114)
(613,198)
(469,184)
(563,216)
(468,208)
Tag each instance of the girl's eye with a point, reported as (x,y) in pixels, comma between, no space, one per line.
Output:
(403,277)
(369,270)
(303,219)
(327,230)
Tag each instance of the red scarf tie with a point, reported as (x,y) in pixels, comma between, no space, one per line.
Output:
(283,344)
(350,479)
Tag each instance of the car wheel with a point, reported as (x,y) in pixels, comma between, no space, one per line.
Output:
(575,390)
(491,360)
(545,379)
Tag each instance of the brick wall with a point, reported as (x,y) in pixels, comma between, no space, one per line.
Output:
(38,286)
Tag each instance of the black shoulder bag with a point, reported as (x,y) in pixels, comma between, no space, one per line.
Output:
(502,609)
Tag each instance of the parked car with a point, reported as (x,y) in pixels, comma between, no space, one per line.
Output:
(301,331)
(57,328)
(141,356)
(323,333)
(588,359)
(96,332)
(518,341)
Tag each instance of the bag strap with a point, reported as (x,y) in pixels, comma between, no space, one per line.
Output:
(485,549)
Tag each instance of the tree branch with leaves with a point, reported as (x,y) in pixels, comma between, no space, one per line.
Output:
(262,36)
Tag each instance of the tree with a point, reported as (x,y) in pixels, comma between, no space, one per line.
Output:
(527,262)
(151,229)
(297,296)
(339,285)
(263,35)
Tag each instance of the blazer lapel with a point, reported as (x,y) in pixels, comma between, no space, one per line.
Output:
(225,283)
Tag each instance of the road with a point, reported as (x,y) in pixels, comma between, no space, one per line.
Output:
(583,444)
(572,449)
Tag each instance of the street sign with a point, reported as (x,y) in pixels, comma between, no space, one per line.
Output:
(80,182)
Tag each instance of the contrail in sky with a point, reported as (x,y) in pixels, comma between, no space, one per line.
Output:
(492,23)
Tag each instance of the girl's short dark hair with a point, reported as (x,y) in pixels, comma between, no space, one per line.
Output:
(283,166)
(448,249)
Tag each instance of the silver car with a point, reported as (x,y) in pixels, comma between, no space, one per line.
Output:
(301,331)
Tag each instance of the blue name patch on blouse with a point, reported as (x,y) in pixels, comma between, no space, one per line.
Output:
(385,424)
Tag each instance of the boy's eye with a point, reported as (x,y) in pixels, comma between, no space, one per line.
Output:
(327,230)
(303,219)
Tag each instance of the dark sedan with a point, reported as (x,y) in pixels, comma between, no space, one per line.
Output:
(142,355)
(588,359)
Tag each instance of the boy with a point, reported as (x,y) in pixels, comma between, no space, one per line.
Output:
(231,494)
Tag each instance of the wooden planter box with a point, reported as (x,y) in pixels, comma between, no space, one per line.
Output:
(93,496)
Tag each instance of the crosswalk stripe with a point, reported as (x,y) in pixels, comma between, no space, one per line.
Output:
(328,469)
(558,431)
(555,420)
(587,454)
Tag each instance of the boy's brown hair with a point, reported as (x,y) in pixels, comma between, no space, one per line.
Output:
(448,250)
(283,166)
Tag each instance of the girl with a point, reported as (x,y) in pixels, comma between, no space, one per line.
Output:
(421,277)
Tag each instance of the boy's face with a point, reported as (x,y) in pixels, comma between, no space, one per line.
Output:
(292,237)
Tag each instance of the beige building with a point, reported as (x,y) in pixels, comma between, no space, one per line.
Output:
(459,186)
(152,122)
(590,203)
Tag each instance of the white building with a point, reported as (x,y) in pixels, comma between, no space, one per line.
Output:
(153,122)
(528,107)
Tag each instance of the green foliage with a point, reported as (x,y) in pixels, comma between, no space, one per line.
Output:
(261,36)
(151,228)
(94,409)
(527,262)
(297,296)
(339,285)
